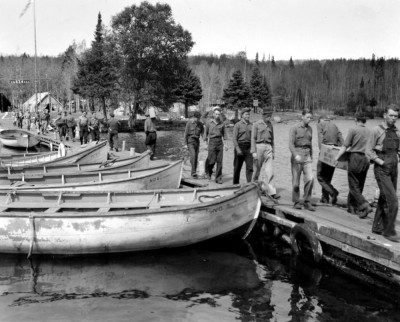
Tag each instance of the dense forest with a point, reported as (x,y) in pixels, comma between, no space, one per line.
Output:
(337,85)
(142,59)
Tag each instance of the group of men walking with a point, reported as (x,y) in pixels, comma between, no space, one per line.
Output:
(254,145)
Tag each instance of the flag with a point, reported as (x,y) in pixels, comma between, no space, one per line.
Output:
(26,8)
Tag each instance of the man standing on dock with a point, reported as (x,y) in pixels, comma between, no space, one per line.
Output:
(263,149)
(83,123)
(151,134)
(71,126)
(94,127)
(241,139)
(215,136)
(113,128)
(383,150)
(328,134)
(300,145)
(193,131)
(44,121)
(356,143)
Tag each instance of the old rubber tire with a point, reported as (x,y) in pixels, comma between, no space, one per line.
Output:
(301,235)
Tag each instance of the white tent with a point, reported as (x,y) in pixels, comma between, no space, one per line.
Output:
(43,99)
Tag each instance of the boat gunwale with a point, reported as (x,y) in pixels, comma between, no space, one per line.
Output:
(93,183)
(242,189)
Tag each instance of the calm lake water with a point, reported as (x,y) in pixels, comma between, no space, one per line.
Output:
(258,280)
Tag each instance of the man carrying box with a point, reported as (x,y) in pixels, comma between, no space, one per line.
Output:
(357,140)
(328,134)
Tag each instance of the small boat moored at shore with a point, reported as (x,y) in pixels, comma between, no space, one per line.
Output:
(92,152)
(17,138)
(97,222)
(136,162)
(162,177)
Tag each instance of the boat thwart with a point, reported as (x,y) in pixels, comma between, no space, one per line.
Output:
(97,222)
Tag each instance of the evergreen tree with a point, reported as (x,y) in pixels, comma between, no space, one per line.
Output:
(362,99)
(259,89)
(237,93)
(291,64)
(351,103)
(188,91)
(97,77)
(257,61)
(273,64)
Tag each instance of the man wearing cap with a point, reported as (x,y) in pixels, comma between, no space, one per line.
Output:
(328,134)
(151,135)
(71,126)
(193,131)
(356,143)
(383,149)
(263,150)
(61,126)
(215,136)
(300,145)
(94,129)
(113,127)
(83,128)
(241,139)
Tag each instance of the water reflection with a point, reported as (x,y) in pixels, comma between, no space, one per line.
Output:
(191,284)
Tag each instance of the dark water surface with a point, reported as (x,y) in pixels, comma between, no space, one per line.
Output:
(257,280)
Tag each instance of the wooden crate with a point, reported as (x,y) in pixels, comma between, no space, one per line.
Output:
(328,154)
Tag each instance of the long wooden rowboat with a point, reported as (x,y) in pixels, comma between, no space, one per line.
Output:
(162,177)
(92,152)
(139,161)
(97,222)
(17,138)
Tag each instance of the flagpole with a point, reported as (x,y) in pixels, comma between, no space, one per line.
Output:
(34,28)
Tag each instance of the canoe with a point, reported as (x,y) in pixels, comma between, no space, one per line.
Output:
(17,138)
(92,152)
(136,162)
(96,222)
(161,177)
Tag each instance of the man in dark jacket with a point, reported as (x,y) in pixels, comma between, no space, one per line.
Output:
(383,149)
(113,127)
(193,131)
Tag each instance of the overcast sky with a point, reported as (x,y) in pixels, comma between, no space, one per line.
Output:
(303,29)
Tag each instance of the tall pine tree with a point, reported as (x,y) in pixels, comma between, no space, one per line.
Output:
(259,89)
(96,77)
(188,91)
(237,94)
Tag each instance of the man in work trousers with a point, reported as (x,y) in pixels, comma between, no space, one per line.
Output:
(151,135)
(71,126)
(356,143)
(94,127)
(383,150)
(328,134)
(193,131)
(113,127)
(300,145)
(215,136)
(83,128)
(241,139)
(263,149)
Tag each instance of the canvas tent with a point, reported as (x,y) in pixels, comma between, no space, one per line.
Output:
(43,100)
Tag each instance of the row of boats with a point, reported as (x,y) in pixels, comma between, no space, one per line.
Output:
(77,201)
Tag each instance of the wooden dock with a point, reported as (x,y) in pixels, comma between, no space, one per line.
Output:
(332,235)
